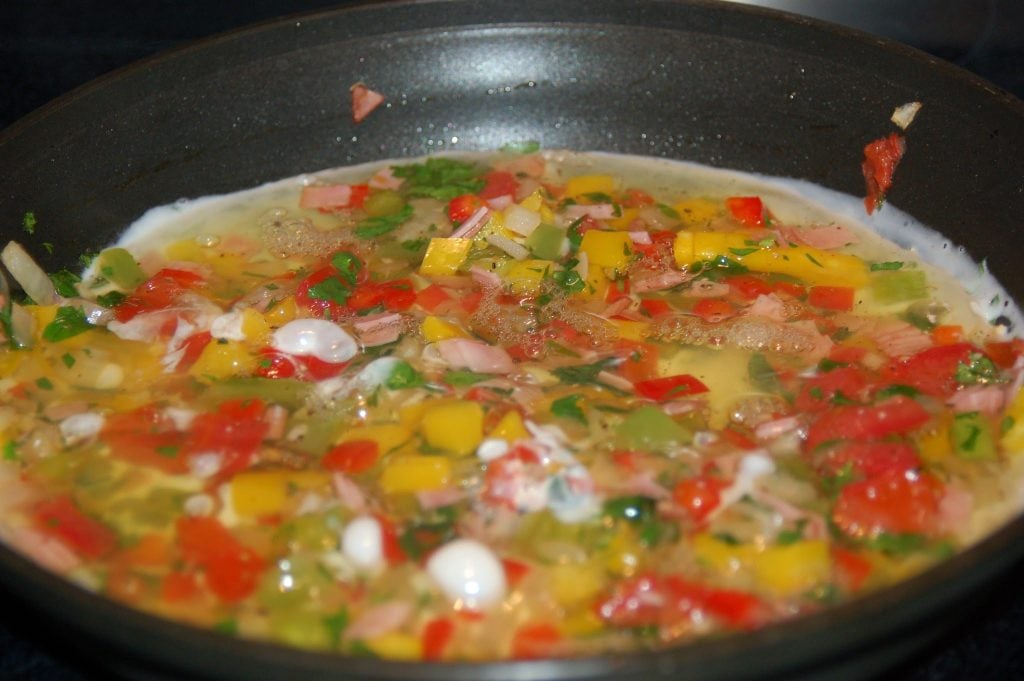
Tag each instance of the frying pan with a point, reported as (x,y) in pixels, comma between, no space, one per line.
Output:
(725,85)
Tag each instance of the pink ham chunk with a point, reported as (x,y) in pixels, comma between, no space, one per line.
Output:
(364,101)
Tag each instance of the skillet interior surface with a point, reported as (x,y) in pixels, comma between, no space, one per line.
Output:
(719,84)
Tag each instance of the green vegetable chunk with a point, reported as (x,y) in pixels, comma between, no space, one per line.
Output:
(649,428)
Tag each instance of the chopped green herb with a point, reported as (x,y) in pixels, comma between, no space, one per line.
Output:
(28,222)
(741,252)
(668,211)
(64,282)
(10,451)
(568,407)
(44,383)
(331,289)
(521,147)
(439,178)
(170,451)
(980,369)
(69,321)
(111,299)
(68,359)
(880,266)
(348,266)
(459,378)
(403,375)
(376,226)
(586,374)
(813,259)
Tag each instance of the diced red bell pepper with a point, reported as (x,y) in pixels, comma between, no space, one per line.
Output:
(869,459)
(232,569)
(235,431)
(636,198)
(515,570)
(145,436)
(61,518)
(840,298)
(854,568)
(354,457)
(655,307)
(670,387)
(432,297)
(657,600)
(880,160)
(820,392)
(749,210)
(640,360)
(158,292)
(536,640)
(749,287)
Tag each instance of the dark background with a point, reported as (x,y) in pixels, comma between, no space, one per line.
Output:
(48,47)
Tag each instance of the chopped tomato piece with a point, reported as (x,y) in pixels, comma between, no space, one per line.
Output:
(435,637)
(617,290)
(499,183)
(394,554)
(232,569)
(789,288)
(948,334)
(699,496)
(636,198)
(515,570)
(655,307)
(145,436)
(748,287)
(869,459)
(854,569)
(235,431)
(894,502)
(880,160)
(842,384)
(462,207)
(657,600)
(86,536)
(179,586)
(1004,353)
(839,298)
(535,641)
(895,416)
(193,347)
(932,371)
(158,292)
(323,293)
(713,310)
(748,210)
(334,197)
(670,387)
(354,456)
(640,361)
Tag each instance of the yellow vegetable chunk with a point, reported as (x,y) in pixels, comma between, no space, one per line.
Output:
(444,256)
(577,186)
(223,360)
(263,493)
(613,250)
(631,330)
(415,473)
(697,212)
(396,646)
(793,569)
(813,265)
(510,427)
(435,329)
(525,276)
(1013,438)
(388,436)
(456,426)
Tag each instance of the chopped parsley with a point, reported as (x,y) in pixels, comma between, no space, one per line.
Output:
(439,178)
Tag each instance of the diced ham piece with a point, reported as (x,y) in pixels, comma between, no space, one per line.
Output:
(276,418)
(615,381)
(364,101)
(988,399)
(773,429)
(379,329)
(897,338)
(642,237)
(385,179)
(705,288)
(825,238)
(430,499)
(473,224)
(500,202)
(486,278)
(955,509)
(378,620)
(660,282)
(326,196)
(769,306)
(463,353)
(349,493)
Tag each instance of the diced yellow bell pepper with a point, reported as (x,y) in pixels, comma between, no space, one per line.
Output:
(262,493)
(934,444)
(1013,438)
(396,646)
(255,327)
(583,622)
(697,212)
(631,330)
(724,559)
(613,250)
(435,329)
(624,554)
(575,584)
(510,428)
(388,436)
(444,256)
(792,569)
(411,414)
(577,186)
(624,220)
(282,313)
(535,202)
(415,473)
(223,360)
(456,426)
(525,276)
(812,265)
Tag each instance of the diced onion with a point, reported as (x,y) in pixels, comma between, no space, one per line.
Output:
(28,274)
(517,251)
